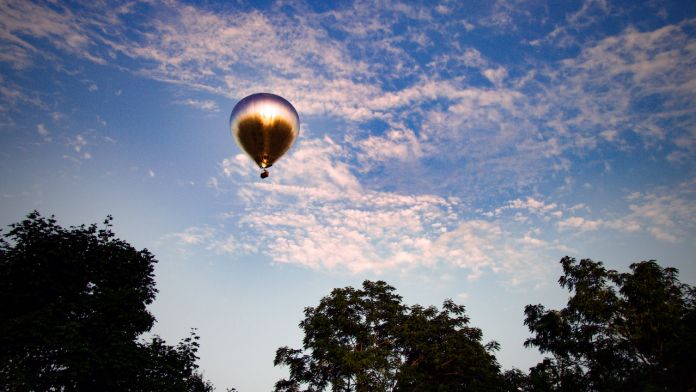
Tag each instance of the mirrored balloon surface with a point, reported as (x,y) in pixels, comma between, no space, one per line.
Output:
(265,127)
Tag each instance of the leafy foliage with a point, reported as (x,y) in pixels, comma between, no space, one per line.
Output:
(74,304)
(367,340)
(441,352)
(619,331)
(170,368)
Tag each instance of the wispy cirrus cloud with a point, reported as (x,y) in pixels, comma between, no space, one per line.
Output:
(438,99)
(26,25)
(633,84)
(211,238)
(510,131)
(316,213)
(43,131)
(576,26)
(319,215)
(668,214)
(206,105)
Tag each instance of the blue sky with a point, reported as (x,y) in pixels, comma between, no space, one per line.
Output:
(454,149)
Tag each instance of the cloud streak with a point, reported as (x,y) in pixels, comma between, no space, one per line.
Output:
(409,91)
(324,219)
(512,130)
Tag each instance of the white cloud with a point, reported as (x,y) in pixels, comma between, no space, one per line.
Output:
(317,214)
(396,145)
(63,28)
(212,239)
(667,214)
(240,165)
(11,94)
(205,105)
(495,75)
(634,196)
(41,129)
(626,225)
(78,143)
(327,220)
(601,87)
(580,223)
(532,204)
(529,240)
(577,24)
(472,58)
(213,183)
(537,207)
(510,135)
(43,132)
(610,135)
(193,236)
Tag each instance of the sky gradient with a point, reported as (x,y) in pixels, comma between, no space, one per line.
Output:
(455,149)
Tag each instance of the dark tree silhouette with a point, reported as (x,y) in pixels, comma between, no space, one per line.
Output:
(367,340)
(72,311)
(442,352)
(619,331)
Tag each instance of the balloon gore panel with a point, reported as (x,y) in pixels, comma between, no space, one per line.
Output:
(265,141)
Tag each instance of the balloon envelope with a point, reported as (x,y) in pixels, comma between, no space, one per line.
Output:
(265,127)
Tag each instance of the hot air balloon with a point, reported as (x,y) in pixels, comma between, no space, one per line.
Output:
(265,127)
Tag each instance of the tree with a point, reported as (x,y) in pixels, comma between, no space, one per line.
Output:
(170,368)
(619,331)
(515,380)
(74,305)
(367,340)
(441,352)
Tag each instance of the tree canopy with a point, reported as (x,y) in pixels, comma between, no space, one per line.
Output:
(619,331)
(74,312)
(368,340)
(74,307)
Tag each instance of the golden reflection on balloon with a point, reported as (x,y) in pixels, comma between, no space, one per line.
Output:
(265,127)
